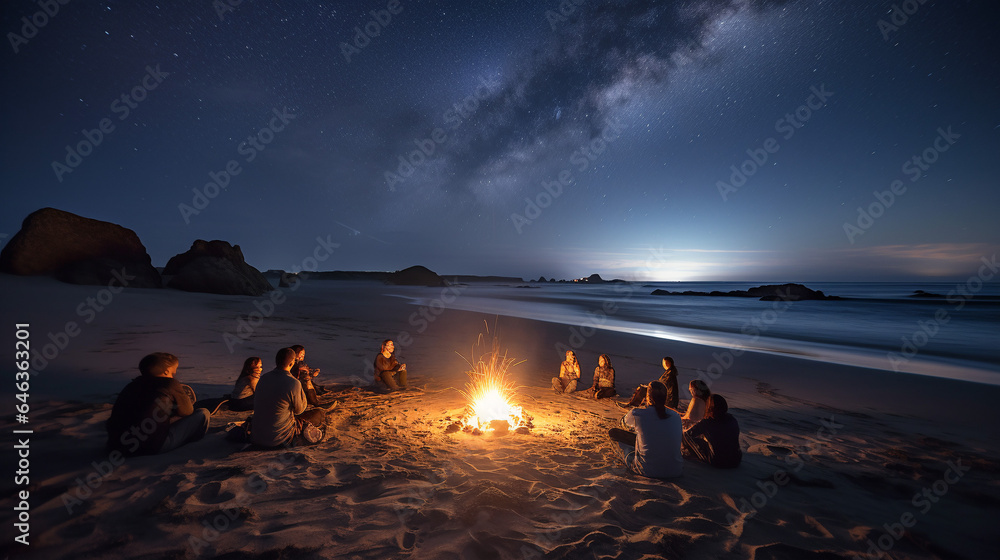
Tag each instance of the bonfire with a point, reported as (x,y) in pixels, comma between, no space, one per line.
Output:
(490,393)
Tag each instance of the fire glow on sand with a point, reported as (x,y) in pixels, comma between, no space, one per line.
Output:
(490,395)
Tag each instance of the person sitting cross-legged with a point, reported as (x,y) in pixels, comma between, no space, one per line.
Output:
(653,449)
(716,438)
(280,406)
(388,370)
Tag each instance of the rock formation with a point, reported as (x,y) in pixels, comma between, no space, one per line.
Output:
(215,267)
(78,250)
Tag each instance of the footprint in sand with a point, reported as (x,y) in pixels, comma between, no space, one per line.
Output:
(212,493)
(407,541)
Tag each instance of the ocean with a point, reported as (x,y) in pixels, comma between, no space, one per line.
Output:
(877,324)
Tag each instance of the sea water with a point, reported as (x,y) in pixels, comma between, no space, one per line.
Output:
(878,325)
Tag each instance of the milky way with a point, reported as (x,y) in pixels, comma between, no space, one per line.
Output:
(742,140)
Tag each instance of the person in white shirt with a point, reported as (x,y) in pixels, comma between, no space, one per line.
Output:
(651,446)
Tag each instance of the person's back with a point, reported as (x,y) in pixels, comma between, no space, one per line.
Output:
(144,398)
(716,439)
(278,398)
(153,413)
(723,437)
(658,443)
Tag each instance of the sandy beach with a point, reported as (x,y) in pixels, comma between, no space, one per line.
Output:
(839,462)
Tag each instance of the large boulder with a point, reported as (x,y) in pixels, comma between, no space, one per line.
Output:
(78,250)
(215,267)
(416,276)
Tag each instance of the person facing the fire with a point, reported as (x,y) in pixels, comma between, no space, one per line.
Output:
(569,374)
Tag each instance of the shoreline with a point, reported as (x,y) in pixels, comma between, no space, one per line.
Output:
(832,453)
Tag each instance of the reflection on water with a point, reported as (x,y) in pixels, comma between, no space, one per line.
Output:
(880,326)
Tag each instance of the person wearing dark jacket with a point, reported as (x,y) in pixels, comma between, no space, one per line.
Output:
(305,374)
(716,438)
(154,413)
(388,369)
(668,378)
(604,379)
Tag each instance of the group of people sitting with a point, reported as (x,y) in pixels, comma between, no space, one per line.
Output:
(155,413)
(654,436)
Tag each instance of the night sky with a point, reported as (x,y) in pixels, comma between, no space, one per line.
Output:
(703,140)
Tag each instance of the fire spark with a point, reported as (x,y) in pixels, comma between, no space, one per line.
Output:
(490,392)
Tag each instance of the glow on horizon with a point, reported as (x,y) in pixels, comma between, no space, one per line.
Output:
(940,261)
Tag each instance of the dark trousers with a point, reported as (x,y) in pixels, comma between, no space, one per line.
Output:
(241,405)
(638,397)
(623,444)
(697,447)
(315,416)
(605,393)
(394,379)
(622,436)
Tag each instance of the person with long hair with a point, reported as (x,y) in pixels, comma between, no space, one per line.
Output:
(716,438)
(649,441)
(668,378)
(241,399)
(388,369)
(604,379)
(698,404)
(305,375)
(569,374)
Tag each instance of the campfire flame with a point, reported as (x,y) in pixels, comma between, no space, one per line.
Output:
(490,391)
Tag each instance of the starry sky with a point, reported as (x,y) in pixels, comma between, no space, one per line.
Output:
(736,140)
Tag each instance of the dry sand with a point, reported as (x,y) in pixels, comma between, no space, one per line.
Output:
(833,454)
